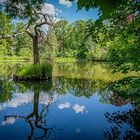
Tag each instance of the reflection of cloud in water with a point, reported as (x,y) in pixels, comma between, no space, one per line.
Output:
(28,97)
(79,108)
(8,121)
(46,99)
(78,130)
(64,105)
(76,107)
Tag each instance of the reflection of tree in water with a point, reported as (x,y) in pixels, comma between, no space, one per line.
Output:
(109,97)
(78,87)
(6,90)
(125,90)
(7,86)
(37,119)
(131,118)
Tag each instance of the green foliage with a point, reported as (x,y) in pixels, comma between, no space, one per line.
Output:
(105,7)
(65,59)
(22,42)
(6,44)
(34,86)
(125,31)
(6,89)
(40,70)
(5,26)
(6,48)
(117,37)
(74,41)
(22,9)
(51,44)
(78,87)
(127,88)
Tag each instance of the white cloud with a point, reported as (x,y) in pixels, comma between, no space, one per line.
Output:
(65,2)
(8,121)
(47,99)
(28,97)
(64,105)
(78,109)
(49,9)
(19,99)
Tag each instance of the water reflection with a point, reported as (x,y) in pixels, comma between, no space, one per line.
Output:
(131,118)
(78,87)
(69,108)
(37,118)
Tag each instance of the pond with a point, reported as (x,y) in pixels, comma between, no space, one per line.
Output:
(76,104)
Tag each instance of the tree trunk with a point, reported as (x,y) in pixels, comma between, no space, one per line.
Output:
(35,50)
(36,104)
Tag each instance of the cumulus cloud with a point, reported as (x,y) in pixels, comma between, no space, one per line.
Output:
(64,105)
(65,2)
(78,108)
(49,9)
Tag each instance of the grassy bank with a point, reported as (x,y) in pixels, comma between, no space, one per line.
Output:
(65,59)
(33,72)
(13,58)
(57,59)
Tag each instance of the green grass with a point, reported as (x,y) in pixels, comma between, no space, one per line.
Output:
(13,58)
(39,70)
(65,59)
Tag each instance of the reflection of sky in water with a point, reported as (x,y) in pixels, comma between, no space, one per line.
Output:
(20,99)
(64,105)
(78,117)
(79,108)
(68,113)
(76,107)
(8,121)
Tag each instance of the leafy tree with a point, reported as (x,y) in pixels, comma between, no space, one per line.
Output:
(5,38)
(52,44)
(124,47)
(22,45)
(119,31)
(31,11)
(105,7)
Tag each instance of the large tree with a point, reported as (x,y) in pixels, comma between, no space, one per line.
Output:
(35,16)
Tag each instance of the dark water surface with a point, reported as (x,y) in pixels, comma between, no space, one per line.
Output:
(75,105)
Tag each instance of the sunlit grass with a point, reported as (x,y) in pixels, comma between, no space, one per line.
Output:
(13,58)
(40,70)
(65,59)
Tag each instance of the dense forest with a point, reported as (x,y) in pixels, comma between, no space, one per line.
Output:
(62,40)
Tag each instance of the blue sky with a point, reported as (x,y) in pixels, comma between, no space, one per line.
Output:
(68,11)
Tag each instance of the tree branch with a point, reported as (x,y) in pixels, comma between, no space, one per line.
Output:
(28,32)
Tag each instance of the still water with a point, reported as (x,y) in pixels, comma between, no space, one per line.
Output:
(75,105)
